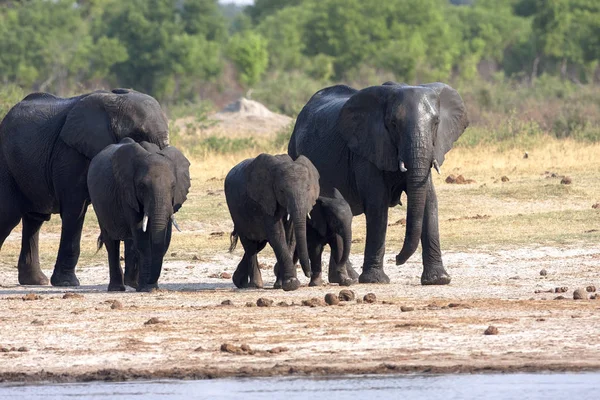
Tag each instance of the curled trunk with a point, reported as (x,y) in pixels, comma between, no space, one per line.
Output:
(416,196)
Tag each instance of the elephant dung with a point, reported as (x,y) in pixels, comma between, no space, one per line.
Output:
(370,298)
(591,289)
(543,272)
(580,294)
(566,181)
(491,330)
(347,295)
(72,295)
(332,299)
(406,308)
(314,302)
(31,296)
(264,302)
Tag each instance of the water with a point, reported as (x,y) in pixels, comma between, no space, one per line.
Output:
(447,387)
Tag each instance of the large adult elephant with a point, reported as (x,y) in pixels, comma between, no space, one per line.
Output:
(372,145)
(46,144)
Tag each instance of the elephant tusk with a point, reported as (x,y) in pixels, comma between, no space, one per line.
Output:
(308,215)
(402,167)
(436,166)
(287,218)
(144,222)
(174,222)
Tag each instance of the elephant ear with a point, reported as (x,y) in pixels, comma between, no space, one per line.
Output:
(123,167)
(181,167)
(453,119)
(260,181)
(87,127)
(362,125)
(318,219)
(313,178)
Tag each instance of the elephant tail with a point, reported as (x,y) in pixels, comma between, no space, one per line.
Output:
(233,239)
(99,243)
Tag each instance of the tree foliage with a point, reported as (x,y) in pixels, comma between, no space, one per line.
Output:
(172,48)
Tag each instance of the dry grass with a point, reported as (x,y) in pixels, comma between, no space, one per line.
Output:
(530,209)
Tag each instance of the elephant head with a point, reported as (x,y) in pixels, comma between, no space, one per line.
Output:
(102,118)
(407,130)
(287,188)
(153,184)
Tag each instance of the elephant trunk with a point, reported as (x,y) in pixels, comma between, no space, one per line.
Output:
(159,219)
(345,234)
(299,219)
(416,188)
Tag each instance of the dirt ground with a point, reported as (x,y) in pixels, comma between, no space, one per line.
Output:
(88,334)
(498,233)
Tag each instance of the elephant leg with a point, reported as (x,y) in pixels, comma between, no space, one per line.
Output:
(352,274)
(338,273)
(277,240)
(291,243)
(10,213)
(131,264)
(113,248)
(144,248)
(433,267)
(255,274)
(315,252)
(376,213)
(241,276)
(73,206)
(30,272)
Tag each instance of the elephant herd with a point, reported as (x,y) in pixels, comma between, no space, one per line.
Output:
(351,152)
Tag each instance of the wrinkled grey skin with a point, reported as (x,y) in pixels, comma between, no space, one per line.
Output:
(330,224)
(46,144)
(126,182)
(372,145)
(260,194)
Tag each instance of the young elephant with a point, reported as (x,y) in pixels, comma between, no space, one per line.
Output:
(329,223)
(135,189)
(261,194)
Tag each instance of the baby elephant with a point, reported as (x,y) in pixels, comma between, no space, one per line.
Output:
(135,189)
(329,223)
(261,194)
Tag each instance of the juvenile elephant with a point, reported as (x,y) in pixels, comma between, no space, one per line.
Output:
(372,145)
(135,189)
(330,223)
(261,194)
(46,144)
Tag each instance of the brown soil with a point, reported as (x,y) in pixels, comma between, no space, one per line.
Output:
(178,331)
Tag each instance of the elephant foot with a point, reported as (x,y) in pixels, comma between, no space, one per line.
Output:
(116,287)
(373,275)
(256,285)
(64,278)
(316,280)
(277,284)
(33,278)
(290,284)
(352,274)
(342,278)
(147,288)
(435,276)
(240,280)
(131,281)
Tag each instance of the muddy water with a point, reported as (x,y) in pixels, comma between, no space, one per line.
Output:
(448,387)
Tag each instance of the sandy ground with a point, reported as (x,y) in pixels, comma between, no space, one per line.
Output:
(85,337)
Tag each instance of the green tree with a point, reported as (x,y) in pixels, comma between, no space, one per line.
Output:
(165,55)
(248,52)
